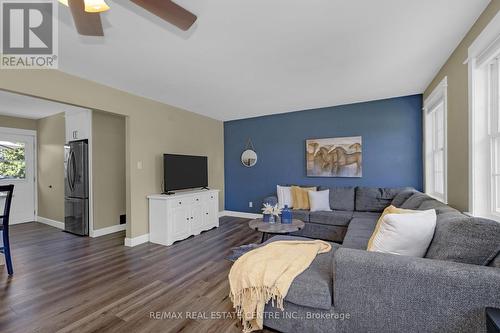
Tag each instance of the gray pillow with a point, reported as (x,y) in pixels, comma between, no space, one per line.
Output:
(372,199)
(415,201)
(438,206)
(402,196)
(341,198)
(465,239)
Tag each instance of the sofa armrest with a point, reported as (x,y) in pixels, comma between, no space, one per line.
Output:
(272,200)
(385,292)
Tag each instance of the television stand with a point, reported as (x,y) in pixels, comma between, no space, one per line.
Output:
(168,193)
(185,213)
(205,188)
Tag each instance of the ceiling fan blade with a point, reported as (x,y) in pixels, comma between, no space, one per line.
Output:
(169,11)
(87,24)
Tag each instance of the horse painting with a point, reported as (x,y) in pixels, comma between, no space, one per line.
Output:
(334,157)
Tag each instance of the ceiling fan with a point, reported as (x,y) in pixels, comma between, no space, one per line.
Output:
(86,14)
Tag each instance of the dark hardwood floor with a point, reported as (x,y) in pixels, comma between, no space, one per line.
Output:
(65,283)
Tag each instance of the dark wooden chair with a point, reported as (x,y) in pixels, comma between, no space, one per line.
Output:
(4,227)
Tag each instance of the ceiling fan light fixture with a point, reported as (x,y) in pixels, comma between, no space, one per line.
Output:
(91,6)
(95,6)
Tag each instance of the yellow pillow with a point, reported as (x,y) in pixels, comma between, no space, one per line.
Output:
(389,210)
(300,197)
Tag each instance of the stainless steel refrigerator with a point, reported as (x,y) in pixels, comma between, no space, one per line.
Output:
(76,183)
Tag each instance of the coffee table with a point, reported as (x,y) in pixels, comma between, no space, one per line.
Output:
(275,228)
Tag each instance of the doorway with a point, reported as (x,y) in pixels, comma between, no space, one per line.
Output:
(17,167)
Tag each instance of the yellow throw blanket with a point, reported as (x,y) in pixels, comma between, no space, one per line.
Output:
(265,274)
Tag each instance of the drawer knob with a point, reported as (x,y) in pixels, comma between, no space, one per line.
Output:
(197,199)
(180,203)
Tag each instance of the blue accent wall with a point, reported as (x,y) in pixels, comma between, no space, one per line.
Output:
(391,131)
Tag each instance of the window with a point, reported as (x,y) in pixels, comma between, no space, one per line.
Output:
(494,134)
(484,122)
(12,160)
(435,143)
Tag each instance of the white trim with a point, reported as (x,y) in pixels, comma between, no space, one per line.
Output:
(108,230)
(131,242)
(472,102)
(20,222)
(440,93)
(52,223)
(92,232)
(480,50)
(239,214)
(483,44)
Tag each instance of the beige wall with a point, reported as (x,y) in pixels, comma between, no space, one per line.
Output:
(15,122)
(51,138)
(458,124)
(108,168)
(152,128)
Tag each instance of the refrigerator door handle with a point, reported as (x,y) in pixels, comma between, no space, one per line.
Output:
(68,172)
(73,166)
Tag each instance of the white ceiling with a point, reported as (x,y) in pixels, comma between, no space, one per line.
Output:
(258,57)
(30,107)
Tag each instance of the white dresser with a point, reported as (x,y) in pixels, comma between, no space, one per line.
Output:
(183,214)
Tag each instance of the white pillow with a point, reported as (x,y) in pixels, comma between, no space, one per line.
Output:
(405,234)
(319,200)
(284,196)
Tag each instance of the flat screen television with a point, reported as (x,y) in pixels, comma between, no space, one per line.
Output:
(182,172)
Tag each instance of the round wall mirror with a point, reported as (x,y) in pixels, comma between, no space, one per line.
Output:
(249,158)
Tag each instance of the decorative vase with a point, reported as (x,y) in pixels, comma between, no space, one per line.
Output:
(286,215)
(272,219)
(266,217)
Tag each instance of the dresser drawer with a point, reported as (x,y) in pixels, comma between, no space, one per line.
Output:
(197,198)
(180,202)
(211,197)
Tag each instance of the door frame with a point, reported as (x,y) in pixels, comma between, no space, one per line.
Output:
(33,134)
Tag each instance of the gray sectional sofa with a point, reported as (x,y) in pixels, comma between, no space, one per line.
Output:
(352,290)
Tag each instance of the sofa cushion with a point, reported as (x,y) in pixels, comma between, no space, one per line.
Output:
(465,239)
(341,198)
(333,233)
(359,232)
(415,201)
(402,196)
(300,214)
(367,214)
(374,199)
(313,287)
(438,206)
(341,218)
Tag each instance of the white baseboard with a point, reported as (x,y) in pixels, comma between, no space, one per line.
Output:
(131,242)
(239,214)
(52,223)
(109,230)
(13,223)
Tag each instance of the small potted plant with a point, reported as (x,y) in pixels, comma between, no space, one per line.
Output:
(271,213)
